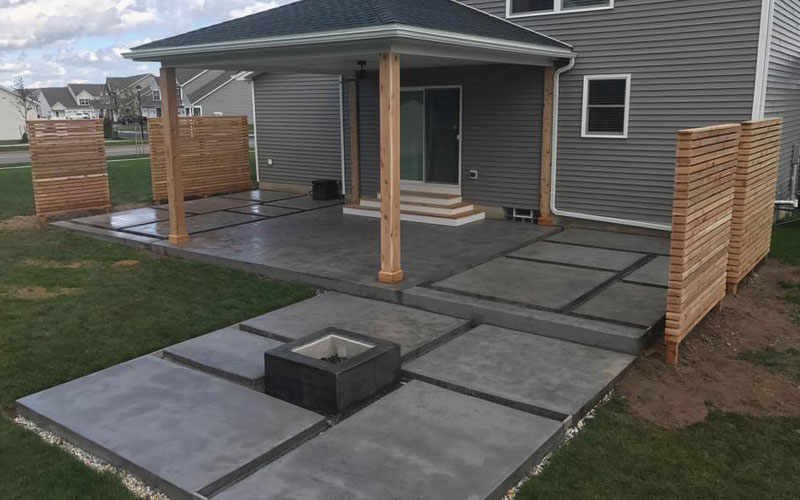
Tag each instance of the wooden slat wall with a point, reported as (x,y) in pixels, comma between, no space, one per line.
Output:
(754,197)
(215,155)
(701,227)
(68,160)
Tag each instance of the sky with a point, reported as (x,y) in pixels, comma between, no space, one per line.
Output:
(51,43)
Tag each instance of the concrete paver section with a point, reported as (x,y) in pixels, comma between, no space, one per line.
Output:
(265,210)
(178,429)
(546,376)
(229,353)
(539,284)
(628,303)
(120,220)
(420,442)
(263,195)
(213,204)
(305,203)
(196,224)
(655,272)
(411,328)
(611,260)
(614,241)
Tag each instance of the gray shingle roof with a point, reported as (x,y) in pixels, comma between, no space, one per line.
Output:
(208,87)
(120,83)
(307,16)
(95,89)
(183,75)
(55,95)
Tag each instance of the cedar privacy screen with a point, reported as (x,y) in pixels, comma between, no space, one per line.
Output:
(214,152)
(68,164)
(725,181)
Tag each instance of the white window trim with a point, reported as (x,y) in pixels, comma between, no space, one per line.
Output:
(557,9)
(156,92)
(585,106)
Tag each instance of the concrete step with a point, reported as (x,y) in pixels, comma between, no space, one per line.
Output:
(591,332)
(428,198)
(442,220)
(424,208)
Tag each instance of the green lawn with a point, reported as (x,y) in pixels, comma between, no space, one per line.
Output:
(71,305)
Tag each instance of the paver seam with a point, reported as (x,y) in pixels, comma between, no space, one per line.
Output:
(641,283)
(618,276)
(230,196)
(105,234)
(258,385)
(231,211)
(258,218)
(273,204)
(578,266)
(490,298)
(585,245)
(496,255)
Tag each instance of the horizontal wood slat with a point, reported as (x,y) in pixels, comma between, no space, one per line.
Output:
(701,227)
(754,197)
(68,164)
(215,155)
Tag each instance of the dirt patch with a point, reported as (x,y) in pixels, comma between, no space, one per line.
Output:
(57,264)
(20,223)
(125,263)
(709,376)
(40,293)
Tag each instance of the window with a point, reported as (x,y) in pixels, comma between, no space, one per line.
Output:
(606,105)
(197,111)
(156,95)
(516,8)
(83,102)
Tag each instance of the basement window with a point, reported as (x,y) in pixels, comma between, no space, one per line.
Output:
(520,8)
(606,106)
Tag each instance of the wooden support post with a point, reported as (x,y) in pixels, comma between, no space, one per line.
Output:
(172,153)
(545,217)
(355,157)
(672,353)
(391,271)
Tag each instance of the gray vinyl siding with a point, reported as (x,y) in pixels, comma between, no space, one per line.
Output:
(234,99)
(501,132)
(783,83)
(692,63)
(298,125)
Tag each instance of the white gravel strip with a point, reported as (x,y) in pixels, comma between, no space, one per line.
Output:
(134,484)
(569,435)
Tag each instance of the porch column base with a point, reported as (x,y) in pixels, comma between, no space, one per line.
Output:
(391,277)
(179,239)
(546,221)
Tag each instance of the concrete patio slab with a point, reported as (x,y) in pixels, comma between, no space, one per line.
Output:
(628,303)
(178,429)
(593,332)
(228,353)
(420,442)
(120,220)
(655,272)
(613,241)
(213,204)
(110,235)
(265,210)
(305,203)
(330,250)
(545,376)
(537,284)
(196,224)
(412,329)
(263,195)
(611,260)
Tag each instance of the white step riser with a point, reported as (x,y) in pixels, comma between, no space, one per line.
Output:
(419,218)
(419,208)
(455,200)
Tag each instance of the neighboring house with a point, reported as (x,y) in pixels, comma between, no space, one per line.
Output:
(124,92)
(12,124)
(75,101)
(629,74)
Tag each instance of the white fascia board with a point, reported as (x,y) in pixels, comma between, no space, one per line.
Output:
(387,32)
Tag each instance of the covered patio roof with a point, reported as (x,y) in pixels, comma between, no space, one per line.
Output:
(328,36)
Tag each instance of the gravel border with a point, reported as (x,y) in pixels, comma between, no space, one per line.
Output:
(131,482)
(569,435)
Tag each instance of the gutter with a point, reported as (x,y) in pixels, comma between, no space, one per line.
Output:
(554,170)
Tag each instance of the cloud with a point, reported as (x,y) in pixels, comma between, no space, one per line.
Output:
(252,9)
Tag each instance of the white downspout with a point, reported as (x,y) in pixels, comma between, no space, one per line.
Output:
(255,131)
(554,169)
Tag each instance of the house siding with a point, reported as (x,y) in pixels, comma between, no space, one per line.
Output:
(501,134)
(234,99)
(298,126)
(783,84)
(692,62)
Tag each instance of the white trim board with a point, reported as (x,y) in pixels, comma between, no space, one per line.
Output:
(762,64)
(255,129)
(585,107)
(558,9)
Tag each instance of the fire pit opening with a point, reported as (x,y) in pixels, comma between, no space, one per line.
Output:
(333,349)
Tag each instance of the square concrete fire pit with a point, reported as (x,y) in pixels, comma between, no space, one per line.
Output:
(332,370)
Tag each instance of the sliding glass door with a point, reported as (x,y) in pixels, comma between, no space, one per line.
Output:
(430,135)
